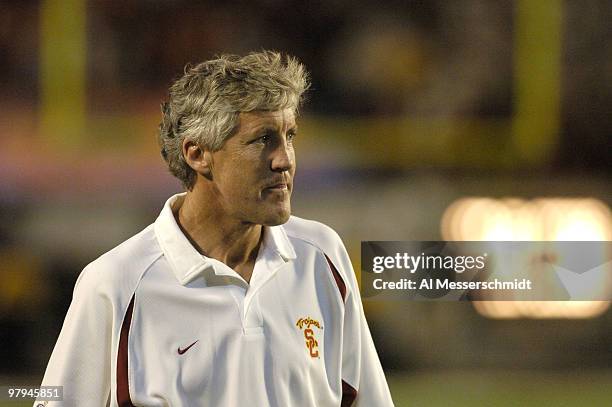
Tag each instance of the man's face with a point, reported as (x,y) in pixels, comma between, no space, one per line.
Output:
(253,172)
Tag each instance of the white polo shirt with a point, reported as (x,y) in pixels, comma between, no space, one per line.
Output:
(155,323)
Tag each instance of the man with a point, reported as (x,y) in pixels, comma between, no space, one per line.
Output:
(226,300)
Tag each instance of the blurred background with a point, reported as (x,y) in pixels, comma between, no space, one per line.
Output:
(427,120)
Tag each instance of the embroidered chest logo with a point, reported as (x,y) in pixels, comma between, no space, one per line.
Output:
(181,351)
(306,325)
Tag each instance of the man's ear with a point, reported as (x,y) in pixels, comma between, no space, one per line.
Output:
(198,158)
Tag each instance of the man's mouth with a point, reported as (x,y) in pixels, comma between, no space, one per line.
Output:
(281,186)
(277,185)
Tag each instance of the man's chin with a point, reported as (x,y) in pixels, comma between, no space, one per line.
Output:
(277,220)
(277,217)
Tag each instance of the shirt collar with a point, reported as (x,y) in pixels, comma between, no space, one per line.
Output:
(187,263)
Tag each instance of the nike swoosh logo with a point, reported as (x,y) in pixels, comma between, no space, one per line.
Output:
(181,351)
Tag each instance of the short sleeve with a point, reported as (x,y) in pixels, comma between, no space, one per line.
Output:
(362,374)
(81,358)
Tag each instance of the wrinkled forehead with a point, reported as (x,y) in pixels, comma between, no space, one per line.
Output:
(281,120)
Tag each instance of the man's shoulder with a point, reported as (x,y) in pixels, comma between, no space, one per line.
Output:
(326,240)
(313,232)
(124,264)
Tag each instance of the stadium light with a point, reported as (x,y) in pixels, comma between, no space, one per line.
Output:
(547,219)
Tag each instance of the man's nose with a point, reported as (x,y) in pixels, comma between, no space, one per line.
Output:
(282,157)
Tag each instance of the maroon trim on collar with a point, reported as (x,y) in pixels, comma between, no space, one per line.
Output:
(349,394)
(123,386)
(339,281)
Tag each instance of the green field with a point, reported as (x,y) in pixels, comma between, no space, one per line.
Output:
(503,389)
(522,388)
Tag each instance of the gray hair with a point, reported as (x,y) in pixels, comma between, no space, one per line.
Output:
(204,104)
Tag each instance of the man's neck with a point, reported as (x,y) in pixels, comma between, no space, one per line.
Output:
(216,235)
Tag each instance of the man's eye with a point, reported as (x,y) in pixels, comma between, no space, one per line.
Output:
(264,139)
(291,136)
